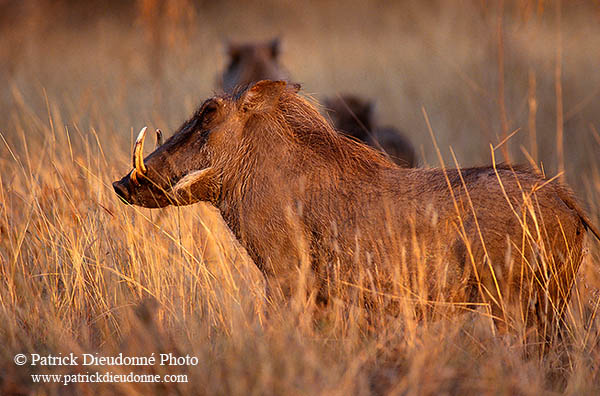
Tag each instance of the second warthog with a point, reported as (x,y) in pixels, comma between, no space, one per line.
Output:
(313,207)
(251,62)
(354,116)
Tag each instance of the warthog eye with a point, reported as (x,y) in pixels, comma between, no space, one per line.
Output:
(208,113)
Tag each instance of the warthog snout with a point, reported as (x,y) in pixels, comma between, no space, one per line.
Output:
(147,184)
(121,190)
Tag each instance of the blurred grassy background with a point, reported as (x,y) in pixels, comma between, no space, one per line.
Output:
(79,78)
(141,59)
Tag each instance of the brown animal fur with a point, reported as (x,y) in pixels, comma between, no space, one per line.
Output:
(354,116)
(300,196)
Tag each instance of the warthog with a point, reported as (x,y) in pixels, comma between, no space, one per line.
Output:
(354,116)
(252,62)
(303,199)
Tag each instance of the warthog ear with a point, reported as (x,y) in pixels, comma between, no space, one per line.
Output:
(200,185)
(263,95)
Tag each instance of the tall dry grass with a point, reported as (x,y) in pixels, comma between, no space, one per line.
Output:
(80,272)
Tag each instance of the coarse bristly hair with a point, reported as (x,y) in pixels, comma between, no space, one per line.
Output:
(306,200)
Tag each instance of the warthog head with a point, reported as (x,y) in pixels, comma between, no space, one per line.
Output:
(252,62)
(354,116)
(351,115)
(188,167)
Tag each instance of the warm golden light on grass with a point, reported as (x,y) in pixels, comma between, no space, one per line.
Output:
(82,272)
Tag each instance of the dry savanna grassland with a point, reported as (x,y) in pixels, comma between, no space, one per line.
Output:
(82,273)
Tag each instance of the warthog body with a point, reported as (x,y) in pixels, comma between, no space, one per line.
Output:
(301,197)
(252,62)
(354,116)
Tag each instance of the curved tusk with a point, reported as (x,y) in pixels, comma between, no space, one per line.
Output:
(138,151)
(133,176)
(159,138)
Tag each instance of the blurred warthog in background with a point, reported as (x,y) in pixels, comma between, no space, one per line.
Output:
(354,116)
(318,210)
(252,62)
